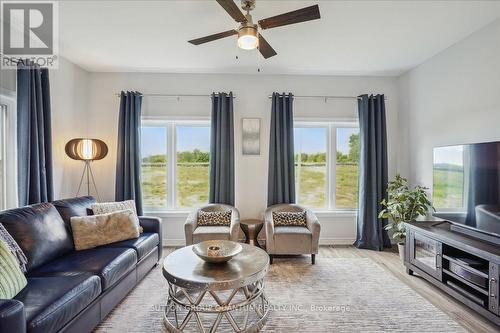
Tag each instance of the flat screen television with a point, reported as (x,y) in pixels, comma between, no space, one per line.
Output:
(466,185)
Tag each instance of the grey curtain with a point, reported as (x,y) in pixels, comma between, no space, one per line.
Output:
(281,176)
(34,141)
(128,163)
(372,173)
(222,150)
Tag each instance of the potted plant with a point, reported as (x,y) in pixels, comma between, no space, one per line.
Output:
(403,204)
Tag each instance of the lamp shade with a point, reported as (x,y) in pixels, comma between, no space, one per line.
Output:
(86,149)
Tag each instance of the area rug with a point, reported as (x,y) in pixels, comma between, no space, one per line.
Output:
(335,295)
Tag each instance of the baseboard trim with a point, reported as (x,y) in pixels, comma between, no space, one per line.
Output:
(322,241)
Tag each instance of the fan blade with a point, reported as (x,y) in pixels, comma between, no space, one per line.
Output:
(297,16)
(232,10)
(213,37)
(265,49)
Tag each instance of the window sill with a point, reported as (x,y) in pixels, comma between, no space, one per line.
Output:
(167,213)
(335,213)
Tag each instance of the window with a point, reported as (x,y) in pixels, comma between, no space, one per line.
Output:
(326,165)
(449,178)
(175,162)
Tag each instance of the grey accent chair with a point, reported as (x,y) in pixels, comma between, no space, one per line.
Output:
(196,234)
(291,239)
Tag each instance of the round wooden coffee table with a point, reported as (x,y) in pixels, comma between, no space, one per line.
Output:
(251,229)
(205,297)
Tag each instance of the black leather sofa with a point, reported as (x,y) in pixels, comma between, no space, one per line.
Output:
(68,290)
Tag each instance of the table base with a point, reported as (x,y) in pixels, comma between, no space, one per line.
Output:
(248,303)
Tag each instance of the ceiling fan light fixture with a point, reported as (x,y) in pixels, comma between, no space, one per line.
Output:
(247,38)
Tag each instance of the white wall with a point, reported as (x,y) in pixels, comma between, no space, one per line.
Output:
(69,95)
(251,101)
(450,99)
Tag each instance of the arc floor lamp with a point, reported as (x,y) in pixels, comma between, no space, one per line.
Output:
(87,150)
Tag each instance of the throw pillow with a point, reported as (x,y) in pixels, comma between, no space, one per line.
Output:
(214,218)
(297,219)
(95,230)
(14,248)
(110,207)
(12,280)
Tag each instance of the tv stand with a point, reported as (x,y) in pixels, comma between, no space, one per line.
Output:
(465,267)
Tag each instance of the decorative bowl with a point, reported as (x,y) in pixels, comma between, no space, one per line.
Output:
(217,251)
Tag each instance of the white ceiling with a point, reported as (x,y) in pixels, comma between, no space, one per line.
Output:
(352,37)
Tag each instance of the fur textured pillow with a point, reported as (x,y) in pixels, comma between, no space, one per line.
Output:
(214,218)
(95,230)
(283,219)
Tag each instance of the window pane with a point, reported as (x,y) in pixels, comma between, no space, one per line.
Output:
(193,147)
(448,173)
(346,174)
(154,166)
(311,166)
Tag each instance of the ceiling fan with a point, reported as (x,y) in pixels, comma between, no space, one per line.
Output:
(249,37)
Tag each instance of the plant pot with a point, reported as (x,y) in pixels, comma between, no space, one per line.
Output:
(401,250)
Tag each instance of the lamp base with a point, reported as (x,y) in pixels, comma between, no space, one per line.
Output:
(87,172)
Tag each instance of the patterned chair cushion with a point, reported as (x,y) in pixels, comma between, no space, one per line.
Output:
(214,218)
(297,219)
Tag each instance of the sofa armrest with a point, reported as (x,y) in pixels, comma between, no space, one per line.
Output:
(12,316)
(234,229)
(269,230)
(190,225)
(315,228)
(153,224)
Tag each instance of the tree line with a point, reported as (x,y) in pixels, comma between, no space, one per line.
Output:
(351,157)
(198,156)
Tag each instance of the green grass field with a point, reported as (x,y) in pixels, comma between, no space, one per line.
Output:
(448,188)
(192,186)
(312,188)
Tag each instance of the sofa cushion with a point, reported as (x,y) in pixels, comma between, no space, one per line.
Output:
(201,234)
(110,264)
(51,302)
(142,245)
(40,232)
(68,208)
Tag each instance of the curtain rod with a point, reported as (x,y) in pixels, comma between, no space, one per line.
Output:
(174,95)
(325,97)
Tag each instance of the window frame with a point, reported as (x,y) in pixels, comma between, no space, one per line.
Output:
(8,98)
(170,125)
(331,125)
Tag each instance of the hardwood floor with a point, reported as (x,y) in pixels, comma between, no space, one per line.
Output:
(390,261)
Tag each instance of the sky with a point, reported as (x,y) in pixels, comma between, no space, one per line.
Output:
(154,139)
(449,155)
(307,140)
(313,139)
